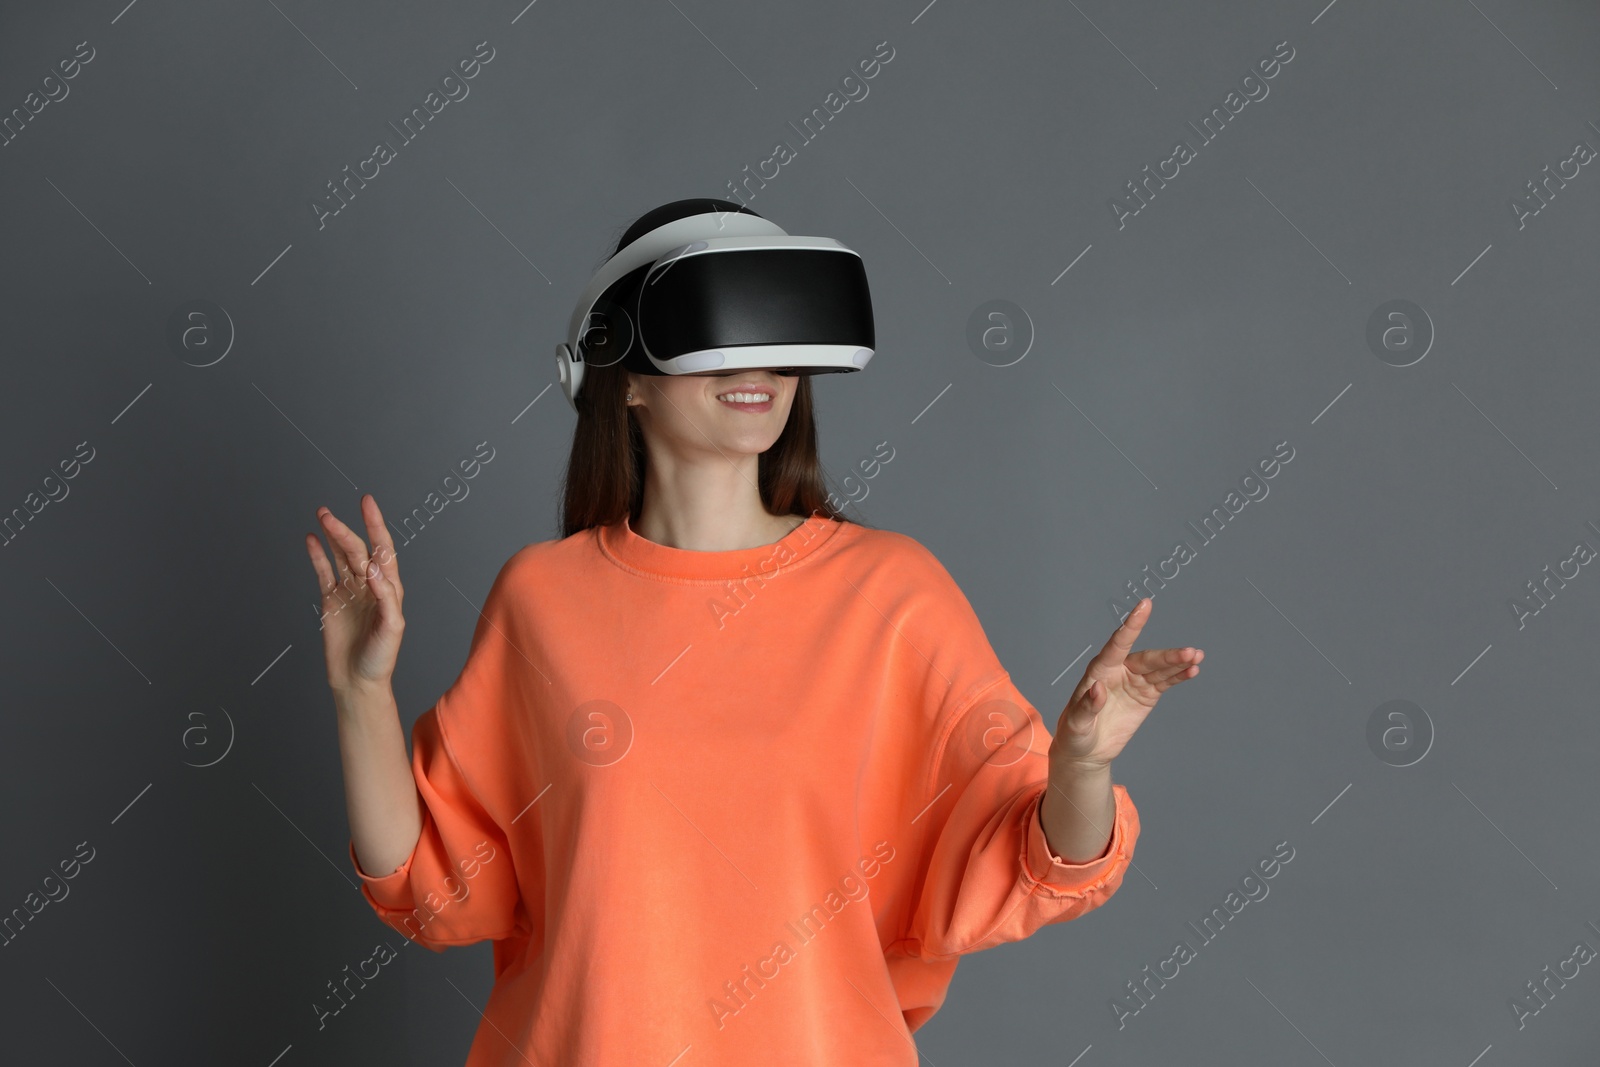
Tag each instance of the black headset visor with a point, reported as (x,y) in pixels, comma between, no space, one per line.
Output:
(696,303)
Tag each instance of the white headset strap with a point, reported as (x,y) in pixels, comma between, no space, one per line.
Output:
(651,246)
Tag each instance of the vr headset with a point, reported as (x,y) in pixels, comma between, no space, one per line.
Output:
(721,291)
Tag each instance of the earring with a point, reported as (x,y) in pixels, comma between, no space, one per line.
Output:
(630,396)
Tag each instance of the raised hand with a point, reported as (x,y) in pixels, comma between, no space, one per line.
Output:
(361,619)
(1118,689)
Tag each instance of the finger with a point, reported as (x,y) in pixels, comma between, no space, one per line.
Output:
(1171,676)
(1116,649)
(384,592)
(328,523)
(1147,660)
(319,562)
(1158,672)
(382,543)
(345,541)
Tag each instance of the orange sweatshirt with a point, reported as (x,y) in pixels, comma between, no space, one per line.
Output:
(730,808)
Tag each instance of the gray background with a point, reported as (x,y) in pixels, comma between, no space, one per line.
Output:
(163,613)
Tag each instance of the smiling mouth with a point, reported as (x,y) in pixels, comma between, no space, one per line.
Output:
(753,401)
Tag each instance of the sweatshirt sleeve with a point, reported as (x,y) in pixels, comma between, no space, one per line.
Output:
(459,885)
(989,876)
(984,872)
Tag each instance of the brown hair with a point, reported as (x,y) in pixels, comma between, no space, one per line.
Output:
(605,473)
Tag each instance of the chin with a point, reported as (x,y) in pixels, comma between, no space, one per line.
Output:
(750,443)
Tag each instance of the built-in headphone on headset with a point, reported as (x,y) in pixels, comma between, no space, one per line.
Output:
(722,290)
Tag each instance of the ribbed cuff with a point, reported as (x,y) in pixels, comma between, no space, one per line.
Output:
(391,890)
(1057,875)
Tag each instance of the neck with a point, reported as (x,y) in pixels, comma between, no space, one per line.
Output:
(711,505)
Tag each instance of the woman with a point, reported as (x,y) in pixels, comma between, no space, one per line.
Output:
(727,778)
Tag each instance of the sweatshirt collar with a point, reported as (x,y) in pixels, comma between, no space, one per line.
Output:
(632,552)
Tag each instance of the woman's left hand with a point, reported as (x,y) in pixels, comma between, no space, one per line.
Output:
(1117,691)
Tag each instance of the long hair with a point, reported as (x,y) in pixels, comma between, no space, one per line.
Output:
(605,473)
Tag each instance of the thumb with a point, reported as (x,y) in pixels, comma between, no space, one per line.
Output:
(383,593)
(1081,715)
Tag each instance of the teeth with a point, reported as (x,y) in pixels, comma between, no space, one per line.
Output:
(746,398)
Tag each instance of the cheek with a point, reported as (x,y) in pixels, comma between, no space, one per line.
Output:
(684,394)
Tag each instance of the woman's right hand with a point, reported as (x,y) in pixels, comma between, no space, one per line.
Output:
(361,620)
